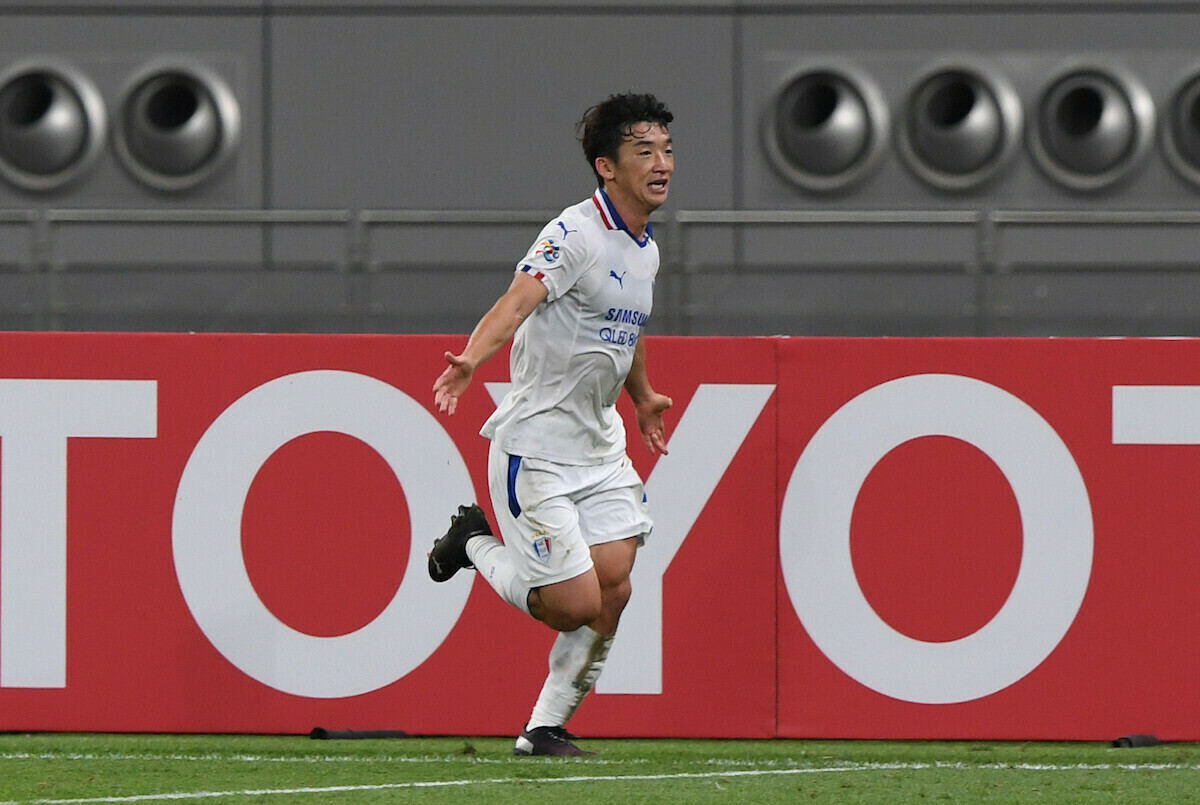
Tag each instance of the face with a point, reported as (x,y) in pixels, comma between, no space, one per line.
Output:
(641,174)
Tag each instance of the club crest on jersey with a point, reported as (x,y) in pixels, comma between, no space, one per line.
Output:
(541,547)
(549,250)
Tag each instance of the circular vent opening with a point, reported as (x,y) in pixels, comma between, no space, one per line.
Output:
(1181,135)
(1093,128)
(52,125)
(824,128)
(960,127)
(178,126)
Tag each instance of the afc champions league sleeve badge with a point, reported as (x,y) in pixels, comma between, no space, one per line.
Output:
(549,250)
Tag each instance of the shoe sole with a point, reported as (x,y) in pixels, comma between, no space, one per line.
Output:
(525,747)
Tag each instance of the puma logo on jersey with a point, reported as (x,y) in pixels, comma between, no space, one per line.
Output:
(565,230)
(620,279)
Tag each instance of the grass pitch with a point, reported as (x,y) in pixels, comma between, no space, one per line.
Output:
(77,768)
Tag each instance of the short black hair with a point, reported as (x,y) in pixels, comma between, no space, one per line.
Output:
(605,126)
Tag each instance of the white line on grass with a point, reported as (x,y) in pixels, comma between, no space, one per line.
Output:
(339,789)
(853,767)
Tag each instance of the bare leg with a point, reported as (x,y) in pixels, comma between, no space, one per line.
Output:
(579,654)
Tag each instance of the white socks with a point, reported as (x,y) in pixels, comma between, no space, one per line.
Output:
(490,558)
(576,660)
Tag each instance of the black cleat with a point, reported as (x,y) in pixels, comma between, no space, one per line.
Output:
(449,554)
(548,741)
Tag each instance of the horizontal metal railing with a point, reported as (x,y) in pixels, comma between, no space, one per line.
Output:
(828,216)
(1096,217)
(360,226)
(44,224)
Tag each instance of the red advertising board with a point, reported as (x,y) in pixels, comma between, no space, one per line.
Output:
(1005,553)
(227,533)
(884,538)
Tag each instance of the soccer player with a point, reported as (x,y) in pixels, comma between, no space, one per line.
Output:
(570,506)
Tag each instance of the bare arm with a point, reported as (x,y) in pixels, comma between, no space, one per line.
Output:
(648,403)
(494,330)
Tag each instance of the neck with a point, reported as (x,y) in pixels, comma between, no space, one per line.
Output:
(632,214)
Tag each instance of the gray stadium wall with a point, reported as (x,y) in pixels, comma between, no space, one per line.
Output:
(854,168)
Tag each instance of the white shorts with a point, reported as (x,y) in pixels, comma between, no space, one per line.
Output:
(550,514)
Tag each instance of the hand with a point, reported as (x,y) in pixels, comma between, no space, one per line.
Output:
(452,383)
(650,421)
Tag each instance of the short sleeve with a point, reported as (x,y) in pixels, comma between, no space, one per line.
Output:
(557,258)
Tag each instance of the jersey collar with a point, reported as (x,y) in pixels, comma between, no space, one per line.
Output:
(613,220)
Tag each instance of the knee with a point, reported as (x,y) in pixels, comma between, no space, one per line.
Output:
(572,618)
(615,596)
(565,615)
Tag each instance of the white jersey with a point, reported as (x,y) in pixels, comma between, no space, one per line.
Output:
(570,358)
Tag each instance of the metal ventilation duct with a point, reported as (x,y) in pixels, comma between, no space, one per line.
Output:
(52,125)
(178,125)
(961,124)
(825,128)
(1093,128)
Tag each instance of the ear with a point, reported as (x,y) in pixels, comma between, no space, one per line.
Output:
(606,168)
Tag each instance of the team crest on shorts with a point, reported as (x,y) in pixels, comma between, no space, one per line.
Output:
(548,250)
(541,547)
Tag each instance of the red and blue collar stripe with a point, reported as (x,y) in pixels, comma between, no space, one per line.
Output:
(612,219)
